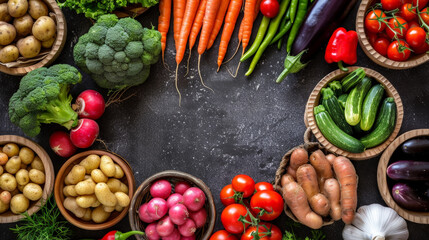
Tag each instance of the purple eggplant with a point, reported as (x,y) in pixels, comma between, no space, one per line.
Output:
(411,198)
(416,146)
(409,170)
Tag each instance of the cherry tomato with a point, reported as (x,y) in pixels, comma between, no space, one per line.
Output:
(263,228)
(245,184)
(406,1)
(422,49)
(227,195)
(412,24)
(371,22)
(223,235)
(398,51)
(415,37)
(424,14)
(380,45)
(230,217)
(260,186)
(422,3)
(269,8)
(371,37)
(408,12)
(389,5)
(399,26)
(269,200)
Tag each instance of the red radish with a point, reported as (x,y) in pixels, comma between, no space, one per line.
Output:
(188,238)
(61,144)
(178,214)
(188,228)
(173,236)
(181,187)
(160,189)
(157,208)
(5,197)
(194,199)
(173,199)
(151,232)
(90,104)
(199,217)
(143,215)
(84,135)
(165,227)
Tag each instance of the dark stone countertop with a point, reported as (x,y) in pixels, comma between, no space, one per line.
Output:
(245,126)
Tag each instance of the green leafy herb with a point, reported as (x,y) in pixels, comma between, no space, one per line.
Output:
(290,235)
(43,225)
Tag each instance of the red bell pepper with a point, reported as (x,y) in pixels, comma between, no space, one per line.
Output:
(116,235)
(342,48)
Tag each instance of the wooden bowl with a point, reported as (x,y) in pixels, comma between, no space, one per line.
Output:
(132,10)
(313,101)
(142,195)
(115,217)
(413,61)
(56,48)
(385,190)
(8,217)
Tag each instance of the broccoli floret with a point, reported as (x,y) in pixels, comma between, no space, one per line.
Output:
(151,41)
(134,68)
(106,54)
(120,56)
(97,34)
(133,28)
(107,20)
(91,51)
(117,38)
(134,49)
(43,97)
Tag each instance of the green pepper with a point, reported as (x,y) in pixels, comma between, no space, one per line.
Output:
(282,32)
(293,8)
(300,16)
(259,37)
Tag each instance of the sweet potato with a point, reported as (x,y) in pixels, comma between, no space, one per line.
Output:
(307,178)
(320,204)
(286,179)
(298,157)
(296,199)
(330,157)
(346,175)
(322,166)
(332,191)
(291,172)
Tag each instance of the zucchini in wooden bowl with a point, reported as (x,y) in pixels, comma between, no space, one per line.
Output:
(356,114)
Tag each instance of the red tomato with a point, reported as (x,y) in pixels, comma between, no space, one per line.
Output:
(223,235)
(416,37)
(424,14)
(398,51)
(245,184)
(269,8)
(227,195)
(371,37)
(371,21)
(408,12)
(269,200)
(380,45)
(406,1)
(422,49)
(230,217)
(422,3)
(412,24)
(263,228)
(390,4)
(260,186)
(400,27)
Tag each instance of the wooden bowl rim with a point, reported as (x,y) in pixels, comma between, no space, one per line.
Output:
(49,175)
(173,173)
(383,188)
(314,99)
(56,49)
(372,53)
(59,197)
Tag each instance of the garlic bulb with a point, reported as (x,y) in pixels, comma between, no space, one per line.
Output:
(375,222)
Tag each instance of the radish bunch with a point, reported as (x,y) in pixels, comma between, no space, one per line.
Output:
(89,106)
(173,216)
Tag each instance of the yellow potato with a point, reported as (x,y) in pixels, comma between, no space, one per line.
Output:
(76,175)
(23,25)
(36,176)
(117,186)
(85,187)
(8,182)
(19,203)
(1,170)
(37,164)
(8,54)
(32,191)
(70,191)
(20,187)
(123,199)
(22,177)
(37,8)
(119,173)
(86,201)
(44,28)
(98,176)
(7,33)
(17,8)
(3,158)
(104,195)
(29,47)
(13,165)
(71,205)
(108,209)
(87,216)
(107,166)
(98,215)
(90,163)
(26,155)
(96,204)
(50,42)
(4,14)
(118,208)
(3,207)
(11,149)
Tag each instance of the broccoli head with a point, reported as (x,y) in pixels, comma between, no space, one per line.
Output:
(43,97)
(117,53)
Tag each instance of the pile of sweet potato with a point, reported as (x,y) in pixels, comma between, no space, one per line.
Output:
(319,187)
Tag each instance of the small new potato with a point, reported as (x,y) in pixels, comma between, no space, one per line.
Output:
(7,182)
(29,47)
(22,177)
(71,205)
(37,164)
(17,8)
(87,216)
(123,199)
(3,158)
(85,187)
(117,186)
(109,209)
(13,165)
(90,163)
(7,33)
(76,175)
(5,197)
(4,14)
(104,195)
(26,155)
(32,191)
(19,203)
(36,176)
(98,176)
(49,43)
(37,9)
(118,208)
(11,149)
(119,173)
(23,25)
(44,28)
(98,215)
(9,54)
(1,170)
(86,201)
(107,166)
(70,191)
(20,187)
(3,207)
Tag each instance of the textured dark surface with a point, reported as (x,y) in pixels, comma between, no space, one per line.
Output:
(245,126)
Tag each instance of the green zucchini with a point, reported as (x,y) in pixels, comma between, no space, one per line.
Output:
(353,109)
(336,87)
(334,134)
(385,126)
(342,99)
(352,79)
(370,106)
(331,104)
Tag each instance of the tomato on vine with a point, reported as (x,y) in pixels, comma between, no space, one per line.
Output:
(230,218)
(422,3)
(266,231)
(223,235)
(408,12)
(245,184)
(398,51)
(227,195)
(416,37)
(271,201)
(260,186)
(389,5)
(397,26)
(422,49)
(424,14)
(374,21)
(380,45)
